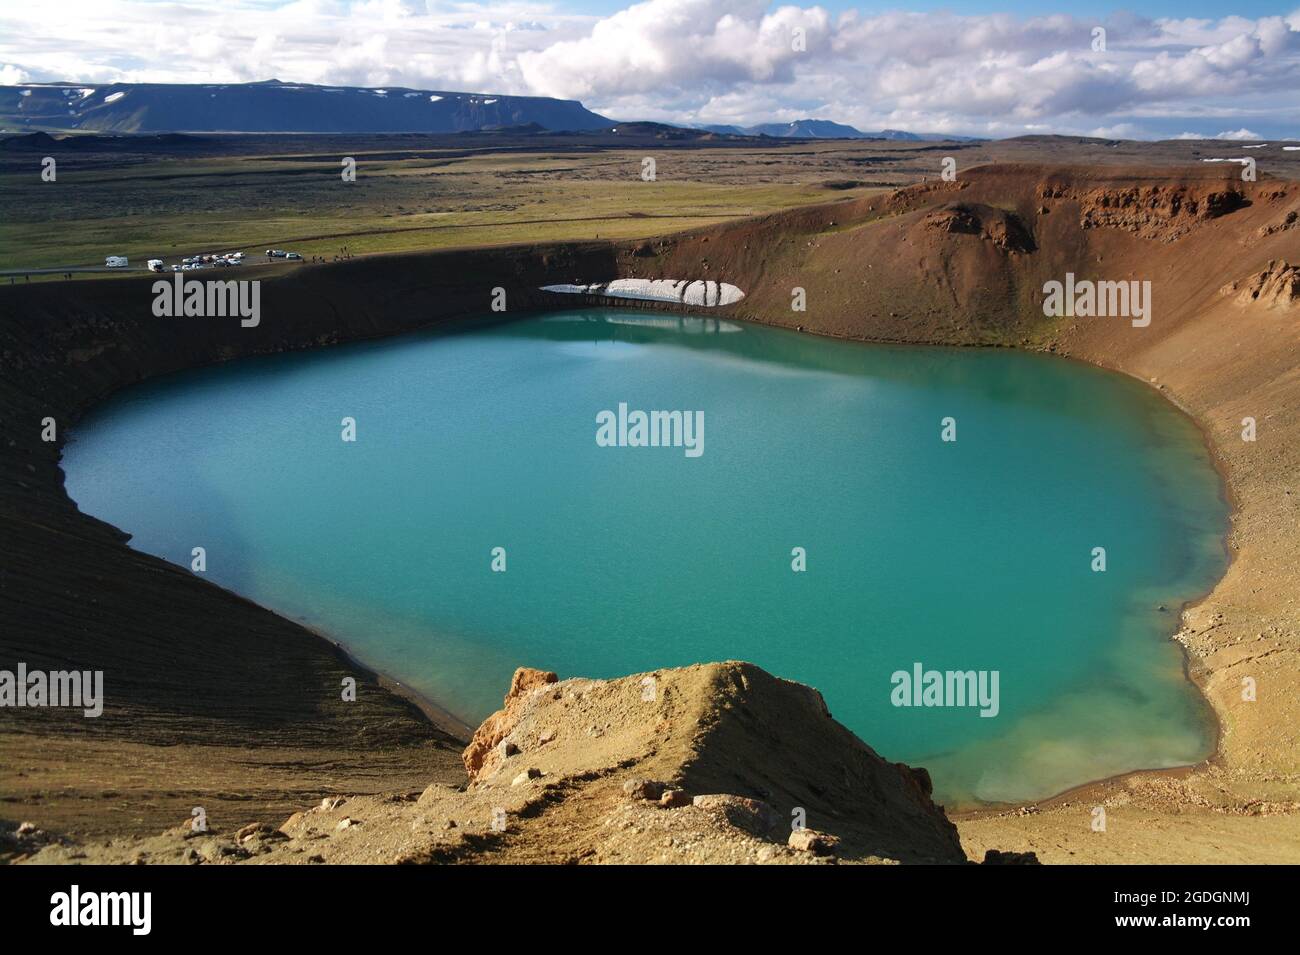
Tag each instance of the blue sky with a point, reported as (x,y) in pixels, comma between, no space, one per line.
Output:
(972,67)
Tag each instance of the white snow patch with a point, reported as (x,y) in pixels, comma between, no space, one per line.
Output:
(26,93)
(409,95)
(114,97)
(488,102)
(1256,146)
(1290,149)
(434,98)
(679,291)
(380,92)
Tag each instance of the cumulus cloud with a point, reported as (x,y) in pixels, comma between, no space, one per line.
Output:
(11,75)
(705,61)
(1234,135)
(699,46)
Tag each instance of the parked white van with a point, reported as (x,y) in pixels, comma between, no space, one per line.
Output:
(115,262)
(155,265)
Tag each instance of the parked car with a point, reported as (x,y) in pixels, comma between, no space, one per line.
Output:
(155,265)
(115,262)
(293,256)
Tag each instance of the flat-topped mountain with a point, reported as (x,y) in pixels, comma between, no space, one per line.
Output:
(273,106)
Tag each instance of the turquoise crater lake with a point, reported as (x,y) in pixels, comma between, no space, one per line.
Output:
(968,555)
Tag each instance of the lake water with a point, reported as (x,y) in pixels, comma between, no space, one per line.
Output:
(968,555)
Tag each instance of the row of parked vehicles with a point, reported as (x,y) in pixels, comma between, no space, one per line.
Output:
(212,261)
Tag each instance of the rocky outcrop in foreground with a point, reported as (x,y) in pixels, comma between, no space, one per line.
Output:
(717,763)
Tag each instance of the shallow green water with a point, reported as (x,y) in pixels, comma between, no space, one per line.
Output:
(966,555)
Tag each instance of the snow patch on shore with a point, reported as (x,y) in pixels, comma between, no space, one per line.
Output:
(696,292)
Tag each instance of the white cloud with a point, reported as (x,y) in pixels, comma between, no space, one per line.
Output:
(679,45)
(1235,135)
(11,75)
(726,61)
(1122,131)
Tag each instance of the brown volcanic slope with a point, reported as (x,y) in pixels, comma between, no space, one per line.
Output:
(959,263)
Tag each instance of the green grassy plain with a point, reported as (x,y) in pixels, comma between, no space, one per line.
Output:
(249,193)
(173,207)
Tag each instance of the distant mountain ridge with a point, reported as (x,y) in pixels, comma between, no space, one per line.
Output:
(827,129)
(271,106)
(275,107)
